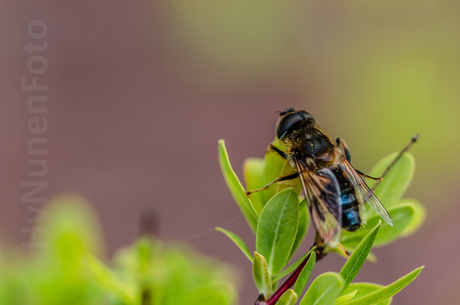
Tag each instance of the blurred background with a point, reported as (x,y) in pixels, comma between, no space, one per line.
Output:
(139,92)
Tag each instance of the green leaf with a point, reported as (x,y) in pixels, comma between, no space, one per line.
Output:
(362,289)
(372,258)
(346,297)
(324,289)
(288,298)
(339,249)
(401,215)
(417,219)
(396,181)
(302,227)
(274,285)
(72,230)
(387,291)
(260,172)
(304,275)
(292,266)
(253,171)
(357,259)
(238,241)
(110,281)
(277,229)
(261,274)
(211,294)
(275,166)
(236,188)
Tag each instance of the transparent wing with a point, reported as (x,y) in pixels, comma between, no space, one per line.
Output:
(363,192)
(323,193)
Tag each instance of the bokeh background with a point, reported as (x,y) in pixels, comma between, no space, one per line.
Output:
(139,92)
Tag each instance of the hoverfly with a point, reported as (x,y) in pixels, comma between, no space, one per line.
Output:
(335,190)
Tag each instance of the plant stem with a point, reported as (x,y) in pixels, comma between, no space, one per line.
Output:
(291,279)
(406,148)
(146,296)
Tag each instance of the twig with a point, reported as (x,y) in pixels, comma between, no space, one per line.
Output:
(291,279)
(406,148)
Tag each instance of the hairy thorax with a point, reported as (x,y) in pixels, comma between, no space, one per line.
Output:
(312,146)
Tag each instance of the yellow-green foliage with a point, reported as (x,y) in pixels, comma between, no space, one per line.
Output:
(68,269)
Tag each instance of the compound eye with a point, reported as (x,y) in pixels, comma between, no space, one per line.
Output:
(289,121)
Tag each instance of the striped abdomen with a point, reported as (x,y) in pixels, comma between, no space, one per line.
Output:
(351,219)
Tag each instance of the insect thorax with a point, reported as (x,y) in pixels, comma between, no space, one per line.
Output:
(311,143)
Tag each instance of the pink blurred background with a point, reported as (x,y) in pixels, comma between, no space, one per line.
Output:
(139,93)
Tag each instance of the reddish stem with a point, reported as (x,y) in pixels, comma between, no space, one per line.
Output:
(287,284)
(291,279)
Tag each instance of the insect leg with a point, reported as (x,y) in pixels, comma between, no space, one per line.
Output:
(406,148)
(345,148)
(279,179)
(277,150)
(367,176)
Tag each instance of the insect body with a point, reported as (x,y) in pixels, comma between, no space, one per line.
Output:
(351,210)
(335,190)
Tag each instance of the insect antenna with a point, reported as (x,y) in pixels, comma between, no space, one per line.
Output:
(406,148)
(290,109)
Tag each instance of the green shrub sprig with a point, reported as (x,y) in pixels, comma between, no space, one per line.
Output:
(279,218)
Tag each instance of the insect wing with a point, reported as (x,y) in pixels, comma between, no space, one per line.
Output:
(363,191)
(323,192)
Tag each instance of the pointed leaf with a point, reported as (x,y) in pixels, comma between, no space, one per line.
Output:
(401,215)
(357,259)
(277,229)
(302,228)
(340,249)
(238,241)
(288,298)
(236,188)
(417,219)
(261,275)
(387,291)
(253,171)
(304,275)
(292,266)
(109,280)
(275,166)
(396,181)
(346,297)
(362,289)
(324,289)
